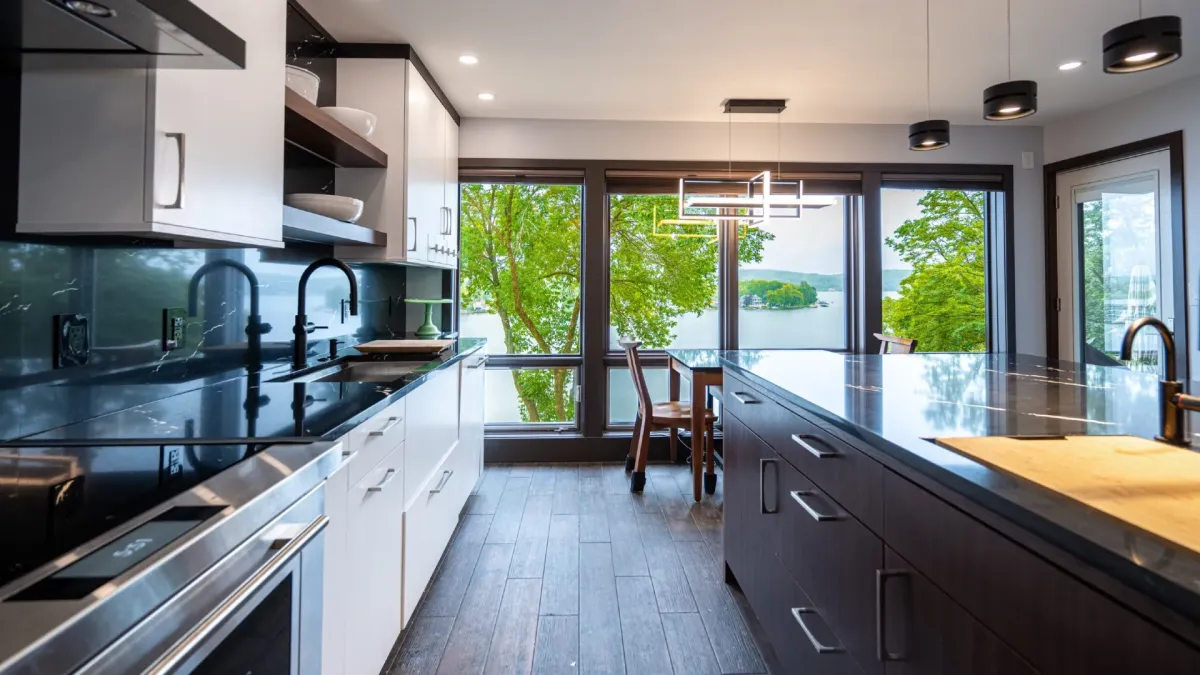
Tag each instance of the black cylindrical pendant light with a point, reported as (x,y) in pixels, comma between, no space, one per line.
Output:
(1143,44)
(930,134)
(1010,100)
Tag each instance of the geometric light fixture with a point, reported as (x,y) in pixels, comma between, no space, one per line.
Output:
(757,205)
(930,134)
(1143,44)
(1010,100)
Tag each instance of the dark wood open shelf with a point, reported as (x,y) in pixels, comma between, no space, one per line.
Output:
(303,226)
(308,127)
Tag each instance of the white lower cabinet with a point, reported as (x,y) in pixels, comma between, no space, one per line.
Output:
(374,537)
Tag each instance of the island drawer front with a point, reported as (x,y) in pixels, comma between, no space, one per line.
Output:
(834,558)
(1053,620)
(846,474)
(773,595)
(375,438)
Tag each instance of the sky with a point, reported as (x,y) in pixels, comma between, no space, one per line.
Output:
(815,243)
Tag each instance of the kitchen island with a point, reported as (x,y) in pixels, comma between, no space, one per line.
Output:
(864,547)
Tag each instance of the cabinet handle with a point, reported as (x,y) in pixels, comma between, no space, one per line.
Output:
(798,614)
(881,651)
(391,423)
(442,483)
(799,495)
(413,239)
(477,364)
(762,486)
(802,441)
(181,140)
(744,398)
(387,478)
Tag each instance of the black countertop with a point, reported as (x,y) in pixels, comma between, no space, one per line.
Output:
(893,404)
(236,404)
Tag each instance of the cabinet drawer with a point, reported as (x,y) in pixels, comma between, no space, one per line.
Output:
(834,558)
(1049,617)
(374,439)
(432,428)
(847,475)
(429,522)
(801,639)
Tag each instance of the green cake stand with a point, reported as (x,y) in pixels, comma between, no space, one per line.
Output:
(428,330)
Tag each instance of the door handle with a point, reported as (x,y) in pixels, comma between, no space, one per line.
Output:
(798,613)
(387,478)
(799,495)
(881,651)
(762,486)
(744,398)
(802,441)
(392,422)
(413,239)
(180,140)
(442,483)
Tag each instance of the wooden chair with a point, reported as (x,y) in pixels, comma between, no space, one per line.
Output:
(672,415)
(890,344)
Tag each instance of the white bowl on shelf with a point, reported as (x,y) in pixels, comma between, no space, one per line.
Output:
(347,209)
(303,82)
(360,122)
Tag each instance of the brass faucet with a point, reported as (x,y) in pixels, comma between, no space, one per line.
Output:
(1172,400)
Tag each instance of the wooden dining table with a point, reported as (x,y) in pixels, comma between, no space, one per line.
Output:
(702,368)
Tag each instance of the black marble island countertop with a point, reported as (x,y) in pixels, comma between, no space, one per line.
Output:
(241,405)
(891,406)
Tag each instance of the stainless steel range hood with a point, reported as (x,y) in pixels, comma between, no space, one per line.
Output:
(119,34)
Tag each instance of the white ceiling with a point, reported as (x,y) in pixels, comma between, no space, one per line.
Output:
(852,61)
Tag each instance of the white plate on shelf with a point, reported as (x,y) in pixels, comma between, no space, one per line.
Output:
(360,122)
(303,82)
(347,209)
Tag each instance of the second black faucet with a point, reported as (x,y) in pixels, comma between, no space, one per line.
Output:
(300,329)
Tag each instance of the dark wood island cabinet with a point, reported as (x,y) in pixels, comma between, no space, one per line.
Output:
(855,561)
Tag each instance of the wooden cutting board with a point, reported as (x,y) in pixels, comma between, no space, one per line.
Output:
(404,346)
(1151,485)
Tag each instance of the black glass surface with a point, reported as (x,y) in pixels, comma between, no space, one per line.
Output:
(261,644)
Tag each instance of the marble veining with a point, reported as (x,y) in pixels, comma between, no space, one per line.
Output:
(893,405)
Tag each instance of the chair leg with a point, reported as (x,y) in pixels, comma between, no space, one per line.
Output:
(633,442)
(638,481)
(674,445)
(710,471)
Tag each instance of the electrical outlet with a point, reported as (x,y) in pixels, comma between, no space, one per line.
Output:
(170,464)
(174,328)
(72,342)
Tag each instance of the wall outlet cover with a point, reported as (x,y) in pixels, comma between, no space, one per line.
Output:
(174,328)
(72,341)
(1026,160)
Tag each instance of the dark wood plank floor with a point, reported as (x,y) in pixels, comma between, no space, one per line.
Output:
(558,569)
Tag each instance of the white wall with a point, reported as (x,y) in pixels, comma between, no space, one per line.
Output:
(1172,108)
(709,141)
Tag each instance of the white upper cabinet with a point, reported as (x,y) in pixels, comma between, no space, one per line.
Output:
(426,167)
(451,189)
(192,155)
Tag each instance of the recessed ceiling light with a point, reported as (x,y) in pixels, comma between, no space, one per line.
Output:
(486,96)
(1070,65)
(468,59)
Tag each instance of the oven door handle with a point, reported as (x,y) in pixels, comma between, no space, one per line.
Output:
(180,652)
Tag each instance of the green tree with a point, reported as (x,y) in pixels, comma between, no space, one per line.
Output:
(790,296)
(1094,290)
(942,303)
(520,257)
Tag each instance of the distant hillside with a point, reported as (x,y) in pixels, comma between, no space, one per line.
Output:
(822,282)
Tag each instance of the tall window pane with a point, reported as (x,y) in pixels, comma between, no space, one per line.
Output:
(662,277)
(934,268)
(791,281)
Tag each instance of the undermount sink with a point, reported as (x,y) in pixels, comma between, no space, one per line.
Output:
(356,371)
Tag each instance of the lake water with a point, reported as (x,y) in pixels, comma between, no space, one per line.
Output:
(817,327)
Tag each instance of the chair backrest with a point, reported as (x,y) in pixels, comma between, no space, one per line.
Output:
(639,378)
(890,344)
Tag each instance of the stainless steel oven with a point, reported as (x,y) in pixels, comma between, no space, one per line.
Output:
(225,578)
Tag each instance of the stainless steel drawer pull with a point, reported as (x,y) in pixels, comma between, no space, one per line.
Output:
(478,363)
(799,495)
(442,483)
(744,398)
(387,478)
(184,649)
(802,440)
(391,423)
(798,614)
